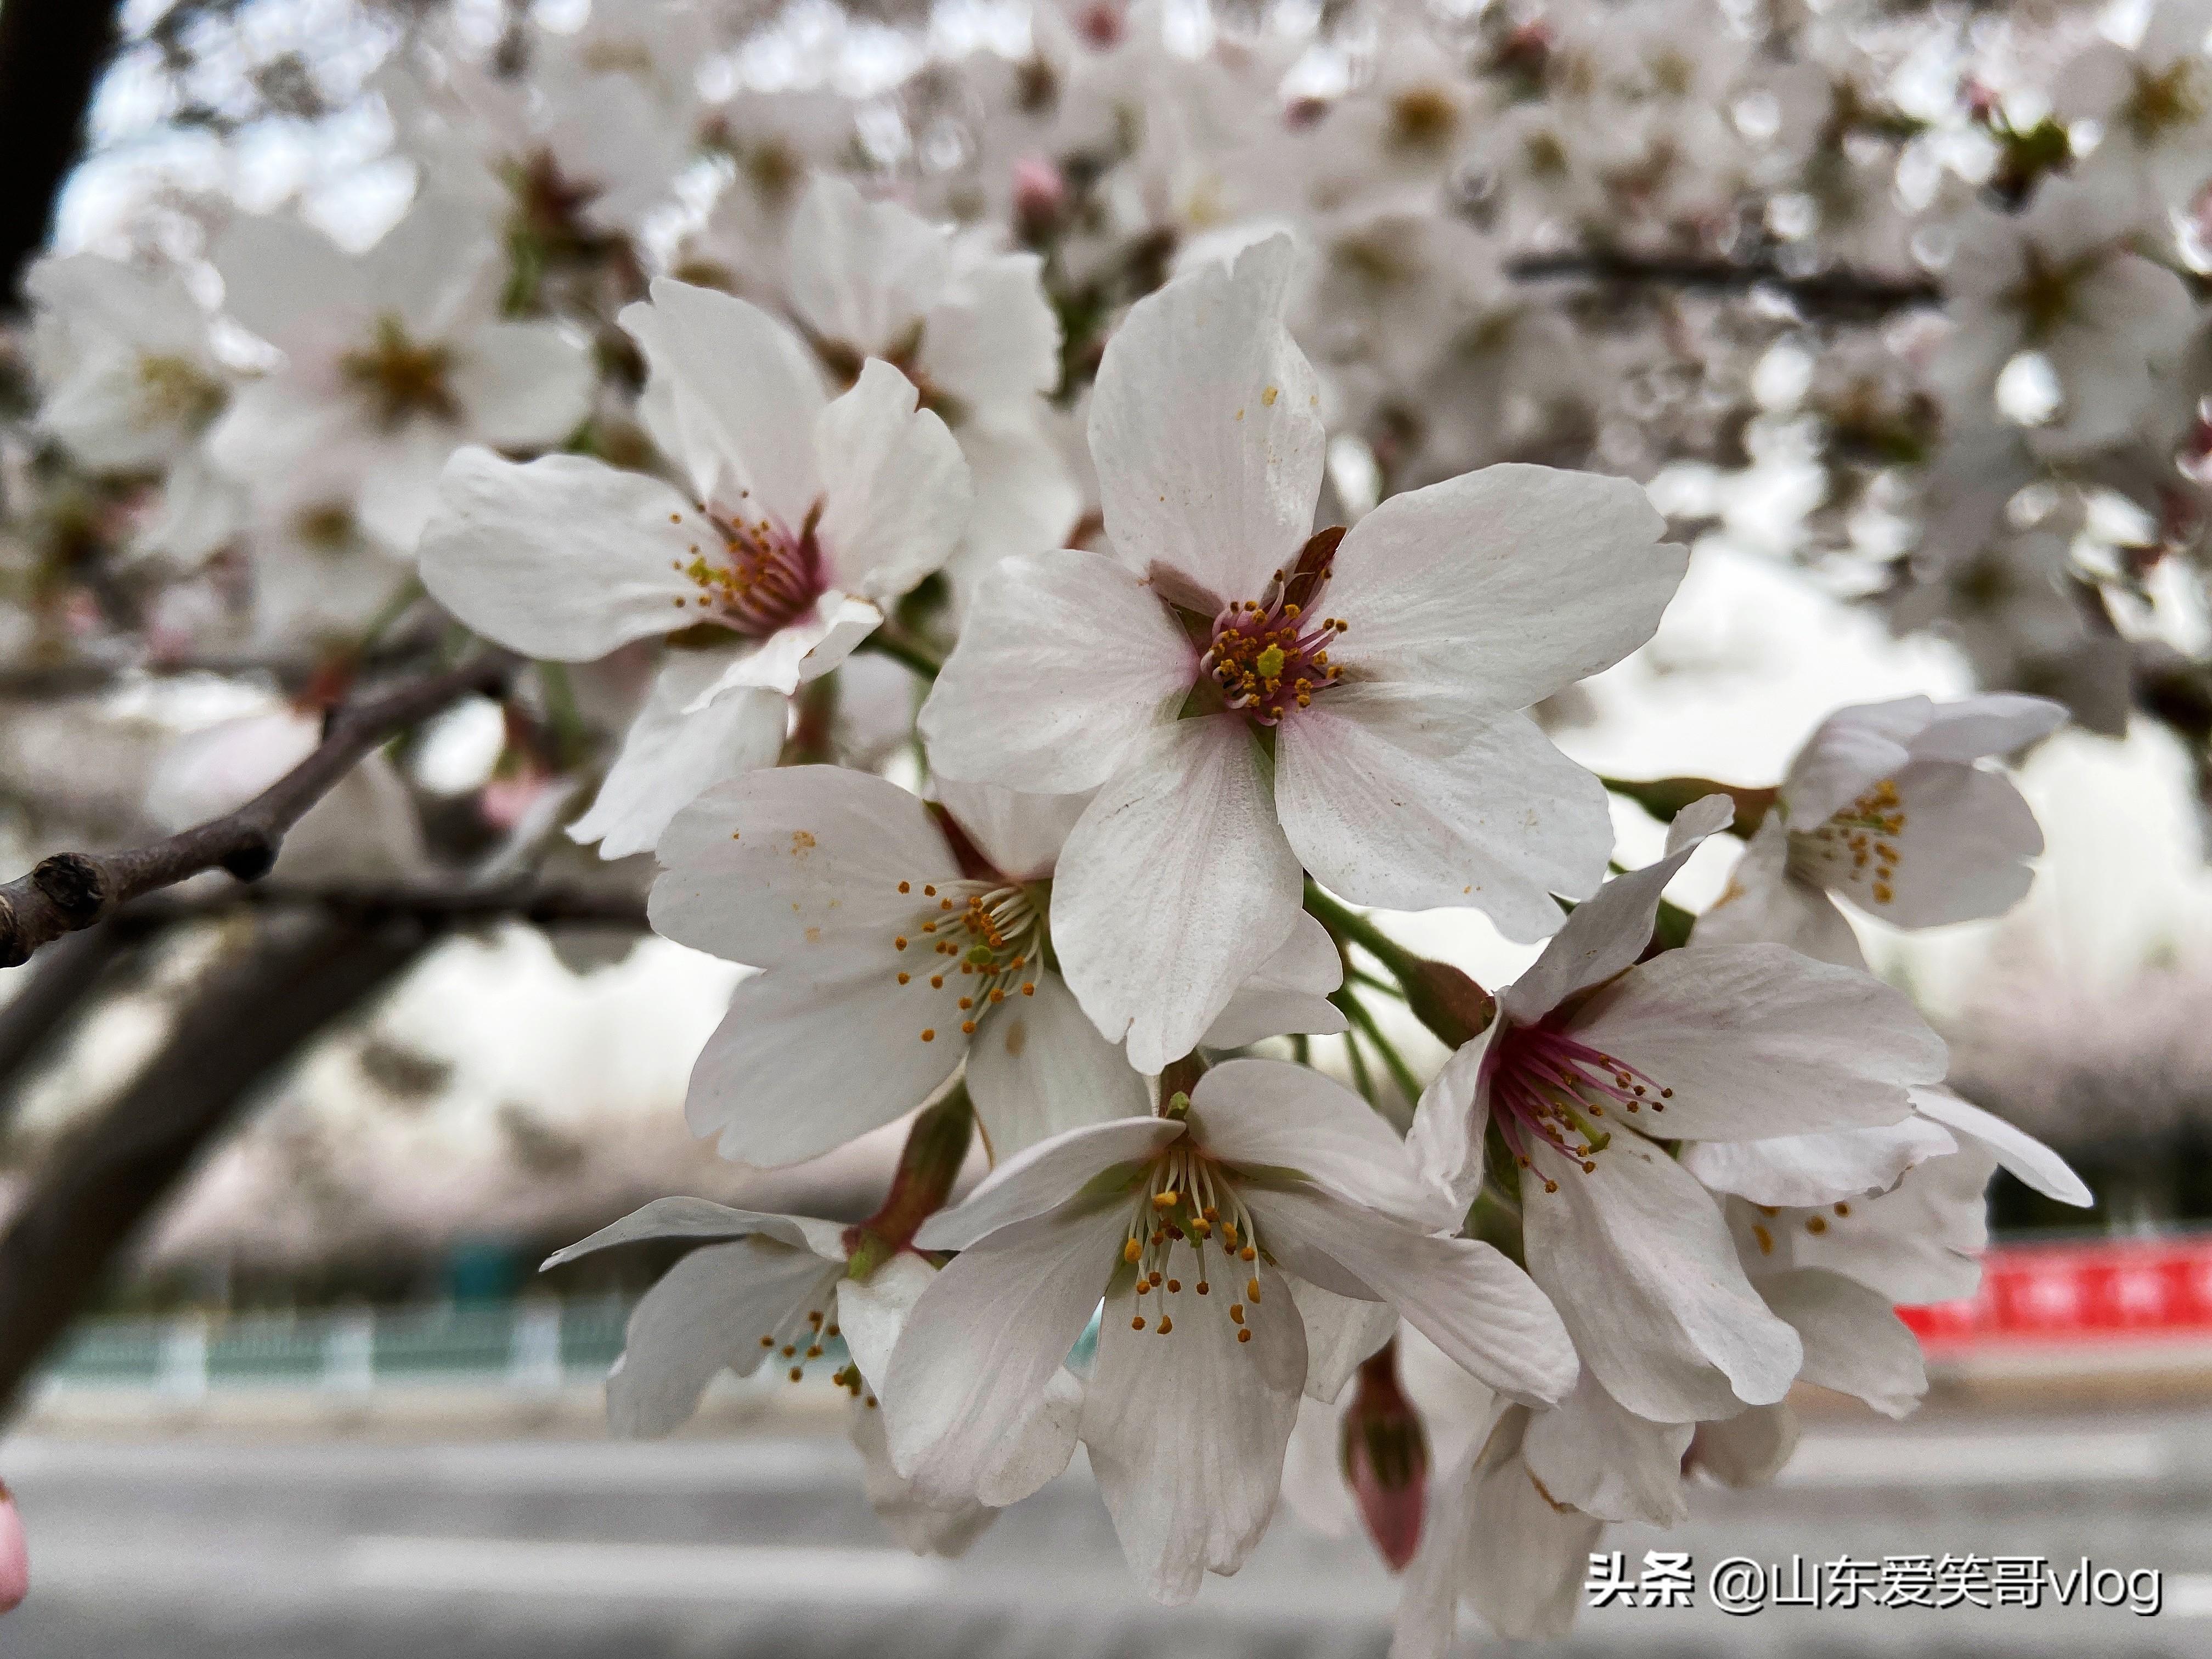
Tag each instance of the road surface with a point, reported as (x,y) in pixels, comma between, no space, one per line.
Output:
(192,1548)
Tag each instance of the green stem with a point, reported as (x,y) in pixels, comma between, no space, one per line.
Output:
(1400,1073)
(1360,1077)
(569,741)
(936,1146)
(1346,923)
(402,600)
(889,640)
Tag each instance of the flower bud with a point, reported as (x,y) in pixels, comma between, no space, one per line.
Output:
(15,1555)
(1384,1451)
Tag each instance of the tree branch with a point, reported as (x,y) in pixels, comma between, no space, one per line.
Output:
(70,892)
(526,901)
(50,55)
(1843,296)
(252,1015)
(43,1004)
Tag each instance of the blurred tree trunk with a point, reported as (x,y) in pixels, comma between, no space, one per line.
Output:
(51,52)
(250,1018)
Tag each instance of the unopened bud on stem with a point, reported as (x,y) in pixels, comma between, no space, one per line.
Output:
(936,1147)
(1447,1002)
(1385,1454)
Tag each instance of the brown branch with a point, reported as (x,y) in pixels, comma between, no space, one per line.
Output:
(526,901)
(43,1006)
(70,892)
(1840,295)
(86,676)
(251,1016)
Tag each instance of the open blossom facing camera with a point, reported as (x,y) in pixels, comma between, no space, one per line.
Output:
(1248,698)
(807,515)
(1886,806)
(1053,534)
(1207,1230)
(895,942)
(1596,1061)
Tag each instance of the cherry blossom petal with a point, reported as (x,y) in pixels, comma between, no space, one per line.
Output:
(1462,1295)
(1609,930)
(1854,1341)
(1755,1040)
(560,558)
(1068,662)
(1995,723)
(521,385)
(1499,821)
(1639,1261)
(1043,1177)
(997,347)
(708,1314)
(1507,583)
(985,1341)
(1020,834)
(804,648)
(1289,992)
(2027,1158)
(745,394)
(1037,1066)
(1817,1169)
(1205,430)
(670,757)
(798,1067)
(1592,1452)
(1341,1331)
(1450,1119)
(1270,1117)
(896,494)
(1849,752)
(1187,1433)
(797,865)
(703,1218)
(863,272)
(1176,883)
(1494,1539)
(1962,853)
(279,273)
(1748,1449)
(1763,903)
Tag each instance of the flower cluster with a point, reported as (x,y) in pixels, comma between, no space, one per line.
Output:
(1038,552)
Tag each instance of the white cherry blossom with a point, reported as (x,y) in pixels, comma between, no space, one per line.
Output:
(1207,1235)
(808,516)
(895,941)
(1595,1060)
(1887,807)
(1354,704)
(391,359)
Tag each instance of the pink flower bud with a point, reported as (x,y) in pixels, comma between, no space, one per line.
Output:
(15,1555)
(1040,192)
(1385,1454)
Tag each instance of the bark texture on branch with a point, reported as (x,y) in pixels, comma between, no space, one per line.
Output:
(71,892)
(251,1016)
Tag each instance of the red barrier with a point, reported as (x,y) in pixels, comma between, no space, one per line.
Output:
(2087,1293)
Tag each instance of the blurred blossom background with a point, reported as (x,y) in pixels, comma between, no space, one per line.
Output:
(1703,243)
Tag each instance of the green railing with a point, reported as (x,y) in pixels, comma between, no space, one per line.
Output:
(534,1342)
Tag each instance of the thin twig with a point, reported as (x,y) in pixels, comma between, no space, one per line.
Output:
(1837,293)
(70,892)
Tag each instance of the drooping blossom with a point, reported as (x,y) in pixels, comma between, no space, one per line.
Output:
(1886,806)
(1207,1229)
(1595,1061)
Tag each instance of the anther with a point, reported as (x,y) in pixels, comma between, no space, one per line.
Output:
(1166,1324)
(1243,1336)
(1237,1313)
(1138,1323)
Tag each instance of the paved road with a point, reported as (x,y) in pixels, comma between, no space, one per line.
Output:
(196,1548)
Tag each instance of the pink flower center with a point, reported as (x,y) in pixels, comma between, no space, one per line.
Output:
(1270,655)
(1548,1086)
(754,577)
